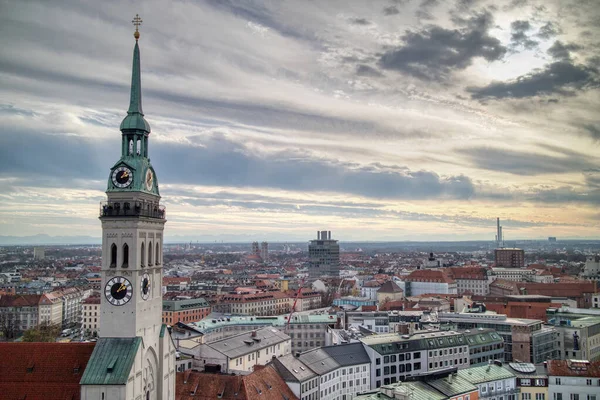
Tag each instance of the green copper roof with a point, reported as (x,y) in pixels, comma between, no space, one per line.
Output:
(485,373)
(111,361)
(135,115)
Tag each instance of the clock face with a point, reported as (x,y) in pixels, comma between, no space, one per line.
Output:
(118,291)
(145,286)
(149,180)
(122,177)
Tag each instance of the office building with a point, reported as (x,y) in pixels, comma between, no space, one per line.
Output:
(324,256)
(185,310)
(328,373)
(39,253)
(509,258)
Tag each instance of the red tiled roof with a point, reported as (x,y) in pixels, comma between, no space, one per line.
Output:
(262,384)
(428,275)
(574,368)
(20,300)
(45,371)
(468,273)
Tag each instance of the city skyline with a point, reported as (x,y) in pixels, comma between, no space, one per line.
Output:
(420,120)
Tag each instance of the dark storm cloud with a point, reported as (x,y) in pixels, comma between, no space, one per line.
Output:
(592,130)
(391,10)
(549,30)
(519,35)
(527,163)
(435,52)
(558,78)
(365,70)
(218,161)
(562,51)
(565,194)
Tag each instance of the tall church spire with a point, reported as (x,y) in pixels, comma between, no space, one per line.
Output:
(135,116)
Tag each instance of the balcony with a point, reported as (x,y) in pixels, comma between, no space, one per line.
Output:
(126,209)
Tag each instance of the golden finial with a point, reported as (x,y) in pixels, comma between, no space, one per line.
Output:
(137,21)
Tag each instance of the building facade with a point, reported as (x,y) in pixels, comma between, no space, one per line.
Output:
(188,310)
(573,379)
(90,322)
(510,258)
(324,256)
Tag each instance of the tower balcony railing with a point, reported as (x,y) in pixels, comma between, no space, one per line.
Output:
(131,209)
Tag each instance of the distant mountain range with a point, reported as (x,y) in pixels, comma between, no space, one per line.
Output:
(43,239)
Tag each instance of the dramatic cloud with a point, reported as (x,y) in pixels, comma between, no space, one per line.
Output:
(273,119)
(436,52)
(557,78)
(562,51)
(519,35)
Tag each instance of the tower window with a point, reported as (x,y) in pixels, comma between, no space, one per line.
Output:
(125,256)
(150,253)
(157,260)
(130,152)
(139,147)
(113,256)
(143,255)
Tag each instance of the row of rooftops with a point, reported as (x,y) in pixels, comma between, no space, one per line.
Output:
(395,343)
(317,362)
(212,322)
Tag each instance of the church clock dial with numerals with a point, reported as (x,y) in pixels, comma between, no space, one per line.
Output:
(118,291)
(122,177)
(145,286)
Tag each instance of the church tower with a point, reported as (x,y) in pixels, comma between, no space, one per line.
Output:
(133,221)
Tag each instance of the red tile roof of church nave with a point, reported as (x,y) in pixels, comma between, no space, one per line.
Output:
(262,384)
(45,371)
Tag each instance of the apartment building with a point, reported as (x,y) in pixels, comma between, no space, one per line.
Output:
(396,357)
(485,345)
(185,310)
(328,373)
(573,379)
(72,299)
(90,322)
(471,280)
(514,274)
(263,303)
(427,281)
(493,382)
(305,331)
(525,340)
(18,313)
(51,309)
(509,257)
(238,354)
(378,322)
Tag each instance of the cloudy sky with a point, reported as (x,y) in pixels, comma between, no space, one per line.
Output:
(378,120)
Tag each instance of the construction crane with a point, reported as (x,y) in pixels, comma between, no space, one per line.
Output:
(287,327)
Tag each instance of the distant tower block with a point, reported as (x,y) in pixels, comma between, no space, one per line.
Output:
(499,236)
(324,256)
(264,251)
(39,253)
(255,249)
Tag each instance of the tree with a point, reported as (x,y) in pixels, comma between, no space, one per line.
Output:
(44,332)
(9,324)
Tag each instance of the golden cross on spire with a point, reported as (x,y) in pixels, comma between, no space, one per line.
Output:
(137,21)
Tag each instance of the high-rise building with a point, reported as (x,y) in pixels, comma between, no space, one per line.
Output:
(39,253)
(264,251)
(255,249)
(511,258)
(133,339)
(324,256)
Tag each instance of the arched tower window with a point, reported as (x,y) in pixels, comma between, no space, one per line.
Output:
(130,149)
(157,259)
(139,147)
(143,255)
(113,256)
(149,253)
(125,256)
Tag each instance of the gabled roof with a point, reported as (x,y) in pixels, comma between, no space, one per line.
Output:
(348,354)
(20,300)
(244,343)
(111,361)
(43,370)
(291,369)
(390,287)
(574,368)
